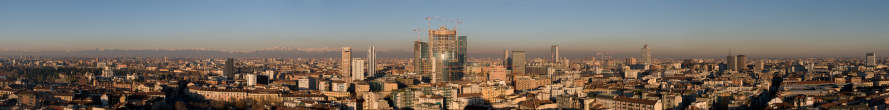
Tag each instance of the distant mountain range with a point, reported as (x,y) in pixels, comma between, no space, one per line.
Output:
(274,52)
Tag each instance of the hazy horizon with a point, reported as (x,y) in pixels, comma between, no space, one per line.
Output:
(581,28)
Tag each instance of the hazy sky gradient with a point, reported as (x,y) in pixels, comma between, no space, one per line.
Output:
(582,27)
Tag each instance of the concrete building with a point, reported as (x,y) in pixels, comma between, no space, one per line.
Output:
(625,103)
(518,62)
(631,61)
(497,73)
(444,46)
(270,74)
(731,62)
(339,86)
(506,59)
(229,68)
(646,55)
(251,79)
(871,59)
(554,54)
(358,69)
(346,63)
(741,63)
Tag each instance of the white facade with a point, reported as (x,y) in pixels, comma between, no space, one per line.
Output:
(357,69)
(371,61)
(251,79)
(270,73)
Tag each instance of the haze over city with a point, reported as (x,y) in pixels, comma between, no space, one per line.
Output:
(582,28)
(444,55)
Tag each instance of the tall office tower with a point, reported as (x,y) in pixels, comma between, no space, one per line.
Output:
(742,62)
(871,59)
(506,59)
(646,55)
(461,49)
(358,69)
(760,66)
(443,43)
(730,62)
(346,63)
(462,46)
(371,61)
(631,61)
(518,62)
(229,69)
(422,64)
(554,53)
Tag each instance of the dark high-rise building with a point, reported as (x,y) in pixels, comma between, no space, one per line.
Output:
(262,79)
(461,49)
(741,62)
(646,55)
(731,61)
(421,58)
(229,68)
(506,59)
(462,46)
(518,62)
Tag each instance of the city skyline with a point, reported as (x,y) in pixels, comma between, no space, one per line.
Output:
(764,28)
(444,55)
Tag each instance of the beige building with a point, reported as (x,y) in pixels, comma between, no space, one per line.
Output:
(623,103)
(497,73)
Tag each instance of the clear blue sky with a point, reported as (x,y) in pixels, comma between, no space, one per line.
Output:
(621,27)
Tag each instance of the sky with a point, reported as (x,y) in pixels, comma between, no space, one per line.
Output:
(580,27)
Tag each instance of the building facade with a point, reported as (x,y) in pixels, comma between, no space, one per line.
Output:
(444,53)
(358,69)
(518,62)
(371,61)
(346,62)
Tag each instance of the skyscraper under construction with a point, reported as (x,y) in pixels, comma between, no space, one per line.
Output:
(446,54)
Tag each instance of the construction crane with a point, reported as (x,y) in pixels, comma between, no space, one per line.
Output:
(419,33)
(430,19)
